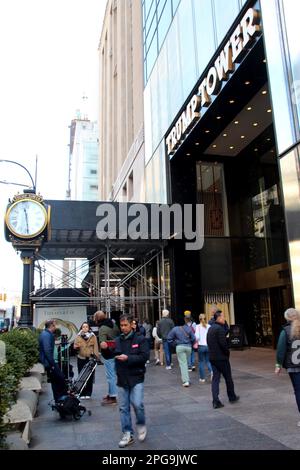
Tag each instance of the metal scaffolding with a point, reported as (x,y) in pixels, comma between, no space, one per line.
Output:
(116,283)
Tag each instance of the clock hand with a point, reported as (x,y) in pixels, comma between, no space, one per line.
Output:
(26,218)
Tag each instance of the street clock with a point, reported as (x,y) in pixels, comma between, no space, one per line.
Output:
(26,217)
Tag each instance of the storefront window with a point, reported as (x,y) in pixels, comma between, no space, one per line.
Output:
(211,193)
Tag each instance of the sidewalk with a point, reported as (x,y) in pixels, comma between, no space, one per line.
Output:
(181,418)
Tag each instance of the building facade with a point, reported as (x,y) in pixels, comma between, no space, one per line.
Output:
(221,127)
(121,151)
(83,178)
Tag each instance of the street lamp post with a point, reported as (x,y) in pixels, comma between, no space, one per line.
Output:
(27,256)
(22,166)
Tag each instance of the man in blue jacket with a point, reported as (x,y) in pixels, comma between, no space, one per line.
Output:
(131,353)
(46,349)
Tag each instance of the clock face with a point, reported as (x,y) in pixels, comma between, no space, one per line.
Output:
(26,218)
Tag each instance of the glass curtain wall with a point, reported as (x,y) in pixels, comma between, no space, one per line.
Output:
(180,37)
(281,35)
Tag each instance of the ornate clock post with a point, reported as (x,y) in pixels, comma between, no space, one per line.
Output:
(26,227)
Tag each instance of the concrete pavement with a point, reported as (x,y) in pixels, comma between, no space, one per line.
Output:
(181,418)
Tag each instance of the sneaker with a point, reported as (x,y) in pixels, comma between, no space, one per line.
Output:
(217,404)
(168,367)
(109,401)
(202,380)
(190,369)
(142,432)
(157,362)
(298,424)
(186,384)
(193,368)
(234,400)
(126,439)
(148,362)
(88,397)
(83,398)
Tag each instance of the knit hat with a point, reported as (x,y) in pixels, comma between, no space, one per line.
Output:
(187,313)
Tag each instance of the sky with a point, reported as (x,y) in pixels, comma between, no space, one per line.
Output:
(49,61)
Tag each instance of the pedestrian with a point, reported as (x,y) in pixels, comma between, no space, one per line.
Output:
(158,347)
(288,351)
(148,332)
(201,331)
(219,358)
(131,353)
(108,331)
(189,322)
(183,337)
(164,326)
(87,346)
(214,310)
(46,353)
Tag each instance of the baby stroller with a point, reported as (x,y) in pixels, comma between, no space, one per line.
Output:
(68,406)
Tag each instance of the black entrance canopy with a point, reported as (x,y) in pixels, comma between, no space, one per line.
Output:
(73,229)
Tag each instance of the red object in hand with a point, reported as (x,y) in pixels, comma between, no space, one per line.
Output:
(111,344)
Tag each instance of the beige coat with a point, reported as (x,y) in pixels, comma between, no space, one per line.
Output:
(86,347)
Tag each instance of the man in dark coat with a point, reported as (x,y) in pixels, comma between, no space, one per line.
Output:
(219,358)
(46,349)
(131,352)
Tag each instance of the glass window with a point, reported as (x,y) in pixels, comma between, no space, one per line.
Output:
(156,177)
(277,77)
(152,55)
(175,5)
(160,7)
(289,166)
(225,13)
(163,84)
(150,33)
(164,22)
(147,122)
(292,25)
(205,38)
(174,70)
(155,108)
(147,5)
(187,45)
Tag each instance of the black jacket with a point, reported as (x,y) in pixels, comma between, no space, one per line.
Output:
(132,371)
(217,345)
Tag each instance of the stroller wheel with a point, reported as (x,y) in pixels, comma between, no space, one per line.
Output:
(77,416)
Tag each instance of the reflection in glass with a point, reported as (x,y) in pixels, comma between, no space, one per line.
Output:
(289,165)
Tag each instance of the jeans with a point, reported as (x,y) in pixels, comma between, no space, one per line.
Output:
(295,379)
(222,367)
(167,352)
(203,359)
(183,352)
(110,372)
(191,362)
(135,397)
